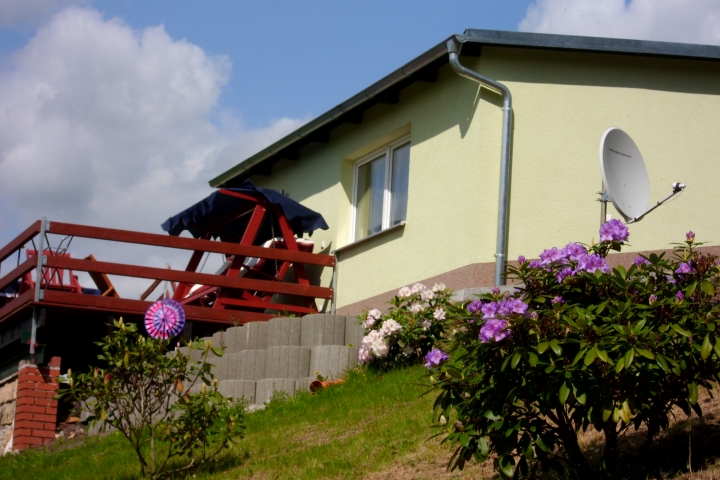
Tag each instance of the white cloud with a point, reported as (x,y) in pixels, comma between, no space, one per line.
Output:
(104,125)
(20,13)
(685,21)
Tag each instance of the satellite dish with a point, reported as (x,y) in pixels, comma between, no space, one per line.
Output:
(624,174)
(625,177)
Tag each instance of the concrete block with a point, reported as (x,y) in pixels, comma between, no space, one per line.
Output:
(233,363)
(332,361)
(238,389)
(250,365)
(217,339)
(267,386)
(252,336)
(220,370)
(469,294)
(287,362)
(283,331)
(354,332)
(231,339)
(323,329)
(303,384)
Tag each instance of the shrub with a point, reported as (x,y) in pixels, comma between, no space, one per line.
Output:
(579,345)
(416,321)
(144,393)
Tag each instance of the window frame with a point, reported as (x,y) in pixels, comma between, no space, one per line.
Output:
(387,151)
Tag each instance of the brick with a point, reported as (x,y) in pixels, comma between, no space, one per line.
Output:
(25,401)
(23,416)
(28,424)
(50,387)
(51,411)
(55,362)
(22,432)
(31,378)
(31,409)
(34,393)
(42,417)
(26,385)
(43,434)
(45,402)
(32,441)
(50,426)
(27,369)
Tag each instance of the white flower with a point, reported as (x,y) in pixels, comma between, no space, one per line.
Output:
(439,314)
(390,327)
(426,295)
(372,316)
(381,348)
(439,287)
(364,355)
(425,324)
(372,337)
(417,308)
(417,288)
(404,292)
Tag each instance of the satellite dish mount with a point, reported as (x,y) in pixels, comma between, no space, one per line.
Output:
(625,179)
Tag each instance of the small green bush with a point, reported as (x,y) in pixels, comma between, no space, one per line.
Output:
(145,393)
(579,345)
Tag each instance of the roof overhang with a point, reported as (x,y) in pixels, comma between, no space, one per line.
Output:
(425,68)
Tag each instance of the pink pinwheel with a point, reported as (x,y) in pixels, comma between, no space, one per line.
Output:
(164,319)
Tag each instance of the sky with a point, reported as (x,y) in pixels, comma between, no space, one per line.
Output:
(118,112)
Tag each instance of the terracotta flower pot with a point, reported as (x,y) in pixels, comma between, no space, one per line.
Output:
(319,385)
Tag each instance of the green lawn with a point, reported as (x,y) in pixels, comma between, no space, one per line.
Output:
(347,431)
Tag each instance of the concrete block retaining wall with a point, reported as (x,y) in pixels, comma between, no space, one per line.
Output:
(284,353)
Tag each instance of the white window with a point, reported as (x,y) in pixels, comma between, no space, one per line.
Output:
(381,189)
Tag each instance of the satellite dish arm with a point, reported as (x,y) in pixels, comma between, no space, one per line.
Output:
(677,188)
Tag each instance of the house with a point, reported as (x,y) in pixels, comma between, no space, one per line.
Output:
(407,173)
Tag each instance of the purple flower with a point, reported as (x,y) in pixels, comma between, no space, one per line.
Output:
(474,306)
(534,264)
(558,300)
(521,259)
(684,268)
(653,298)
(690,236)
(592,262)
(565,272)
(551,255)
(640,260)
(670,279)
(534,315)
(493,330)
(496,291)
(614,231)
(679,297)
(573,251)
(435,357)
(490,310)
(514,305)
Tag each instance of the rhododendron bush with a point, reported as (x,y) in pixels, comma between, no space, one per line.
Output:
(579,345)
(407,333)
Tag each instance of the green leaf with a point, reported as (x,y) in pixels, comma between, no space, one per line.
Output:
(515,360)
(507,465)
(629,356)
(217,351)
(661,361)
(542,346)
(717,349)
(691,288)
(541,445)
(692,393)
(606,414)
(556,347)
(680,330)
(590,356)
(639,326)
(464,440)
(453,372)
(622,271)
(646,353)
(564,392)
(602,354)
(620,365)
(706,348)
(533,359)
(708,287)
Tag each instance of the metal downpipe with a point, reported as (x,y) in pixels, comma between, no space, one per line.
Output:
(454,46)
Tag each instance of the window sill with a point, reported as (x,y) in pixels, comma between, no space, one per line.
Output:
(394,228)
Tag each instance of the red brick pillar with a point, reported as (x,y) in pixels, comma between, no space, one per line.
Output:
(35,409)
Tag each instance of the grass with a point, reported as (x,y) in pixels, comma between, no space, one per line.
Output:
(372,423)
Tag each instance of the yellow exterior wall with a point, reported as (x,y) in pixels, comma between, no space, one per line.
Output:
(563,103)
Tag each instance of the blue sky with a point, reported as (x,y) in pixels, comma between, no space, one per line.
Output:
(118,112)
(299,59)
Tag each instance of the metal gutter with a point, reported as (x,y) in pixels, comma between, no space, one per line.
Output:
(454,46)
(435,53)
